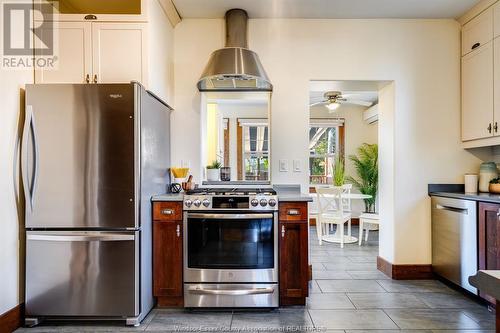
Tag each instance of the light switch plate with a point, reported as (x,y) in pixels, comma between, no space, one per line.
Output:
(283,165)
(296,165)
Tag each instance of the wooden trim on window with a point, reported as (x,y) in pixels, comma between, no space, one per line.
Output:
(227,132)
(342,141)
(239,150)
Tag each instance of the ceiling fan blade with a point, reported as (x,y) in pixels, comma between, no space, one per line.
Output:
(317,103)
(358,102)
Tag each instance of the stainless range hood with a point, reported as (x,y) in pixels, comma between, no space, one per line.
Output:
(235,67)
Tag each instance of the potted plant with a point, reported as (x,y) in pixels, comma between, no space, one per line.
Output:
(494,185)
(213,171)
(366,165)
(338,172)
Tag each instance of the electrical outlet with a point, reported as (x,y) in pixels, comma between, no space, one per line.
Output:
(283,165)
(296,165)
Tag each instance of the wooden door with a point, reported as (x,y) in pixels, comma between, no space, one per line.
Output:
(294,269)
(74,54)
(167,258)
(489,239)
(477,93)
(119,52)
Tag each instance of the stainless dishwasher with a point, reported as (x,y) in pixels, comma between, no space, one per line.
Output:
(454,240)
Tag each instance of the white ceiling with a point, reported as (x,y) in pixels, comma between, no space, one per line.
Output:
(326,8)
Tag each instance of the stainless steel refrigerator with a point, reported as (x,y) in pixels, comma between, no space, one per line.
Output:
(92,155)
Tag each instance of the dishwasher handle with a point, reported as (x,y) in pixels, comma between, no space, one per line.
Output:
(464,211)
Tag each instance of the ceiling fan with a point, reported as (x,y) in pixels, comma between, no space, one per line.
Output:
(333,99)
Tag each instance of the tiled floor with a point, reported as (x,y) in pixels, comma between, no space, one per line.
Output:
(348,295)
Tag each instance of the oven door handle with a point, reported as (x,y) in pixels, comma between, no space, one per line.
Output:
(229,216)
(230,292)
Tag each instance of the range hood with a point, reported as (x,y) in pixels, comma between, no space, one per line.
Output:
(234,67)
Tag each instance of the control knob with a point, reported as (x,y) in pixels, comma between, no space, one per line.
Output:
(272,202)
(263,202)
(206,202)
(197,202)
(254,202)
(188,203)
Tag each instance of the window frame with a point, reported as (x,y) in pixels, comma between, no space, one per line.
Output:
(339,124)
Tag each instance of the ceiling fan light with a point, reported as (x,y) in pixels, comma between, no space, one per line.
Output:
(333,106)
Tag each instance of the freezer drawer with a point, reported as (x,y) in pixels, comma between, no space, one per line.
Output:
(454,240)
(84,273)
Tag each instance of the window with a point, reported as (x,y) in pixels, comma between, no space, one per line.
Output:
(255,149)
(324,144)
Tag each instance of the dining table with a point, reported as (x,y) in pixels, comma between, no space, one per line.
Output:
(336,237)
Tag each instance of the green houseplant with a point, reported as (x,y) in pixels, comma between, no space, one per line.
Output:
(366,165)
(338,171)
(213,171)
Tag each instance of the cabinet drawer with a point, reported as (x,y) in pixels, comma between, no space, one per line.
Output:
(293,211)
(477,32)
(167,211)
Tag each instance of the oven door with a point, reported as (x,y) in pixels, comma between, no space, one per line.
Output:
(230,247)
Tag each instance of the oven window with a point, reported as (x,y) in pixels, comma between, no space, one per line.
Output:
(230,243)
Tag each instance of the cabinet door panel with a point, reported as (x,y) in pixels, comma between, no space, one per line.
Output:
(477,93)
(74,54)
(293,262)
(119,52)
(496,86)
(167,258)
(489,239)
(477,32)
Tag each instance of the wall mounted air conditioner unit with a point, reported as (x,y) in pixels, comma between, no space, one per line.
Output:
(371,114)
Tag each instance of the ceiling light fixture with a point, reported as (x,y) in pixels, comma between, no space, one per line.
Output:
(332,106)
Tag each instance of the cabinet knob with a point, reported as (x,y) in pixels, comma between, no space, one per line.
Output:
(282,231)
(95,78)
(293,212)
(475,46)
(495,127)
(489,128)
(178,231)
(90,17)
(87,78)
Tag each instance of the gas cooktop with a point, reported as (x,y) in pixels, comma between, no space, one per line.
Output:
(232,191)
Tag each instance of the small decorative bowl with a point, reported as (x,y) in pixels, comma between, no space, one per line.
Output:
(494,188)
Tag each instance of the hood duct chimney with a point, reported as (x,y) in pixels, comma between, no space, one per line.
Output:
(235,67)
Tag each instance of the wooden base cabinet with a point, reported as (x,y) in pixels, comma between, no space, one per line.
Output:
(489,239)
(293,253)
(167,254)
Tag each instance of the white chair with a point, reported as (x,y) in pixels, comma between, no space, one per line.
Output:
(365,221)
(331,211)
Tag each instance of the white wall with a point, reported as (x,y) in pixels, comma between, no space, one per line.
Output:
(422,57)
(11,222)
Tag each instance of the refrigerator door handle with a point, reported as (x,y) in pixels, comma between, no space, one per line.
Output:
(29,186)
(80,237)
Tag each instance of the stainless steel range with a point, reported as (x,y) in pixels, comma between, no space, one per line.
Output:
(231,248)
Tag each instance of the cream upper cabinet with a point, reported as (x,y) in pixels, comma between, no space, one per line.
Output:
(119,52)
(477,94)
(496,86)
(74,54)
(478,31)
(496,20)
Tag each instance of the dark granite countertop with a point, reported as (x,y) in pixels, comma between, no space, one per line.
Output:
(456,191)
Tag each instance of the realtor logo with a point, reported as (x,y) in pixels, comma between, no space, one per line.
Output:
(28,35)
